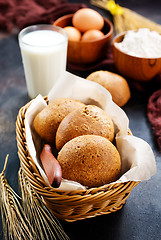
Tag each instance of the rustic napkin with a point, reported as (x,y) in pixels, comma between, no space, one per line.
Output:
(154,114)
(22,13)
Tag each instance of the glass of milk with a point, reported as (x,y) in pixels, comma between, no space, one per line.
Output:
(44,54)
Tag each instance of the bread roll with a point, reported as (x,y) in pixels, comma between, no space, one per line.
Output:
(86,120)
(90,160)
(114,83)
(47,121)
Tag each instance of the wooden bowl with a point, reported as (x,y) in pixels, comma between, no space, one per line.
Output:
(87,51)
(137,68)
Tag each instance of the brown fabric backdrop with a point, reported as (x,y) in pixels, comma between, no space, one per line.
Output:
(22,13)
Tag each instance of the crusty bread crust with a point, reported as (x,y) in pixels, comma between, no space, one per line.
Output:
(86,120)
(90,160)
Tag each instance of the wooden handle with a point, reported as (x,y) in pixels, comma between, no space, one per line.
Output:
(51,166)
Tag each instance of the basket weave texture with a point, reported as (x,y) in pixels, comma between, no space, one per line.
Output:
(73,205)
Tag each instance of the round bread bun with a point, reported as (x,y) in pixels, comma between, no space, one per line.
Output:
(47,121)
(86,120)
(114,83)
(90,160)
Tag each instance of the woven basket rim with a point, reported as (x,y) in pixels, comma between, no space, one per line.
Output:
(49,188)
(69,205)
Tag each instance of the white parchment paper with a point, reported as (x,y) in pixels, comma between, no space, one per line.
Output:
(138,162)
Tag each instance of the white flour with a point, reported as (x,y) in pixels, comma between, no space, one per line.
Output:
(143,43)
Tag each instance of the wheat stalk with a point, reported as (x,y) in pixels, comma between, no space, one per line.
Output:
(26,218)
(46,225)
(125,19)
(15,224)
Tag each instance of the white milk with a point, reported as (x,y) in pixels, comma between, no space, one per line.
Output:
(44,54)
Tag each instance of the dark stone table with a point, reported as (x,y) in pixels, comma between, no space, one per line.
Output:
(140,218)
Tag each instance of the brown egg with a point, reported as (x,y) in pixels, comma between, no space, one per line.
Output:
(92,34)
(73,33)
(85,19)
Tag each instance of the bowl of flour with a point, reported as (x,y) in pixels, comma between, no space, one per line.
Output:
(137,54)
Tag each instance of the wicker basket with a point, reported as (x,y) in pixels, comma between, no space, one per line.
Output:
(73,205)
